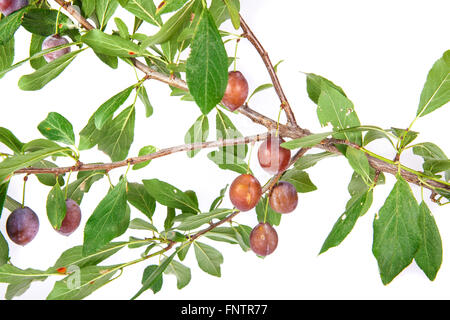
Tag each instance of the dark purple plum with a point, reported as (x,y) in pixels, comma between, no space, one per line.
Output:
(72,219)
(9,6)
(55,41)
(22,225)
(263,239)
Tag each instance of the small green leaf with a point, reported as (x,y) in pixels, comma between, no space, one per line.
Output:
(56,206)
(436,91)
(220,12)
(225,129)
(156,285)
(435,166)
(154,275)
(299,179)
(233,11)
(429,255)
(309,160)
(306,141)
(181,272)
(106,111)
(4,250)
(110,45)
(10,24)
(77,188)
(170,196)
(405,136)
(347,221)
(42,21)
(396,233)
(198,220)
(6,55)
(145,10)
(88,7)
(259,89)
(197,133)
(138,196)
(10,140)
(208,258)
(271,217)
(315,84)
(430,151)
(207,65)
(12,274)
(57,128)
(359,162)
(48,179)
(139,224)
(38,79)
(142,152)
(109,220)
(3,195)
(143,96)
(104,10)
(117,135)
(228,161)
(217,201)
(36,47)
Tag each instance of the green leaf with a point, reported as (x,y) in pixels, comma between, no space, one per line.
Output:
(223,234)
(359,162)
(57,128)
(430,151)
(104,10)
(36,47)
(429,255)
(138,196)
(217,201)
(88,7)
(142,152)
(42,21)
(347,221)
(181,272)
(4,250)
(143,96)
(172,26)
(373,135)
(309,160)
(233,11)
(436,166)
(299,179)
(139,224)
(315,85)
(396,235)
(11,164)
(6,55)
(156,284)
(169,6)
(336,109)
(38,79)
(109,220)
(148,281)
(272,217)
(10,140)
(106,111)
(259,89)
(56,206)
(144,10)
(118,134)
(10,24)
(74,256)
(89,135)
(81,283)
(81,185)
(17,289)
(48,179)
(219,10)
(198,220)
(12,274)
(228,161)
(170,196)
(207,65)
(110,45)
(306,141)
(225,129)
(243,236)
(406,136)
(208,258)
(123,29)
(358,185)
(197,133)
(436,91)
(3,195)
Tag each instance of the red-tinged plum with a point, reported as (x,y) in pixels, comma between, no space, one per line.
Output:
(9,6)
(72,219)
(22,225)
(272,157)
(263,239)
(245,192)
(55,41)
(236,92)
(283,197)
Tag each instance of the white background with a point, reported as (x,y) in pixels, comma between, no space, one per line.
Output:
(380,53)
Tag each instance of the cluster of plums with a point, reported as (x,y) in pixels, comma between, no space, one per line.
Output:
(246,191)
(9,6)
(23,223)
